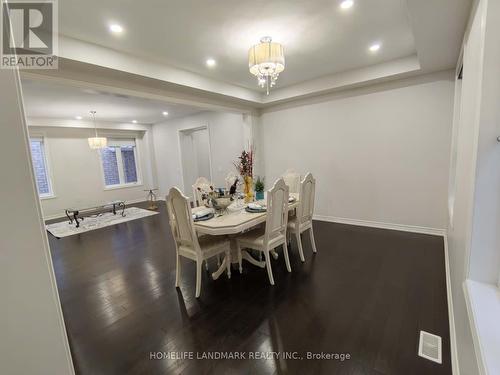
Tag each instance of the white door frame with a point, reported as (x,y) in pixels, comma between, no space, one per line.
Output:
(182,131)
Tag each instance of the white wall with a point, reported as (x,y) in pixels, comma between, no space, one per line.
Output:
(474,242)
(76,171)
(228,134)
(33,337)
(485,254)
(195,156)
(379,154)
(201,143)
(459,232)
(460,210)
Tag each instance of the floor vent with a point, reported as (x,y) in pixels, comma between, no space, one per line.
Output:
(430,347)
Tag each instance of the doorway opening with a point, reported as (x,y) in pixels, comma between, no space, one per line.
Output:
(194,147)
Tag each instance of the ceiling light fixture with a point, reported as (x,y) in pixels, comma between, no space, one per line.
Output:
(211,63)
(78,117)
(374,47)
(134,121)
(115,28)
(96,143)
(165,113)
(346,4)
(266,61)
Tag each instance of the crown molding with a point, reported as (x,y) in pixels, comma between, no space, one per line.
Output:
(88,65)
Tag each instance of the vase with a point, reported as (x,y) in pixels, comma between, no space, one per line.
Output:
(248,189)
(259,195)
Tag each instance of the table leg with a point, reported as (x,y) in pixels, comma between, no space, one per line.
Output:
(75,218)
(234,256)
(221,269)
(231,255)
(246,255)
(69,217)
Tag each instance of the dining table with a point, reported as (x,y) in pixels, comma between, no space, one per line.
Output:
(232,222)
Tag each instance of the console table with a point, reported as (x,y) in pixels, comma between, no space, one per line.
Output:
(78,215)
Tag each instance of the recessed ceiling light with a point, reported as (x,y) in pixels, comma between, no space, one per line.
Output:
(115,28)
(134,121)
(374,47)
(165,113)
(211,63)
(346,4)
(78,117)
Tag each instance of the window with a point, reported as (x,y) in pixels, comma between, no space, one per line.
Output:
(40,166)
(119,163)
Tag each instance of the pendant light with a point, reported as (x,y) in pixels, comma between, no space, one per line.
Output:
(266,61)
(96,143)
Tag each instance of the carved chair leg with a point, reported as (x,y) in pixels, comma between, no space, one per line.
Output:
(299,245)
(177,270)
(287,259)
(268,266)
(228,263)
(311,237)
(198,277)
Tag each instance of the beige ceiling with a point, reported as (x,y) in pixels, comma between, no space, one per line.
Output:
(56,101)
(162,52)
(319,38)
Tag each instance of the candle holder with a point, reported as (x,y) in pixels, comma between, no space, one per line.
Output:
(151,198)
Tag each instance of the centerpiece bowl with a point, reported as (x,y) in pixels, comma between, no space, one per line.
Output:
(222,203)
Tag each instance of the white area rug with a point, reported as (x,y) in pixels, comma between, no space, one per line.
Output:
(64,228)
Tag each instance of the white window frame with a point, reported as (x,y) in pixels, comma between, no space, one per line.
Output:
(119,161)
(48,170)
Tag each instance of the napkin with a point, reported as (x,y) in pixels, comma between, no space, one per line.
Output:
(202,212)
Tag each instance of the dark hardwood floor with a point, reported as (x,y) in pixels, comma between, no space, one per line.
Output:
(367,293)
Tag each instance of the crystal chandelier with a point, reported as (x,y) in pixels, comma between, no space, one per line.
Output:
(266,61)
(96,143)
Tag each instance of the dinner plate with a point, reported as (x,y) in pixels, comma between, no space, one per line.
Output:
(204,218)
(253,211)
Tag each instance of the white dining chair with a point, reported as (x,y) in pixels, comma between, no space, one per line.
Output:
(273,234)
(187,243)
(292,179)
(302,220)
(202,183)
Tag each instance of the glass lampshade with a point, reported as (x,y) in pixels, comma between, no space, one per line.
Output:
(266,58)
(97,143)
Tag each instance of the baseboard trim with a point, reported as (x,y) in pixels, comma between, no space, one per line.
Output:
(421,230)
(478,351)
(381,225)
(455,369)
(127,202)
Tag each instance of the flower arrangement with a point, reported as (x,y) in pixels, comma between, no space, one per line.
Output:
(244,165)
(206,191)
